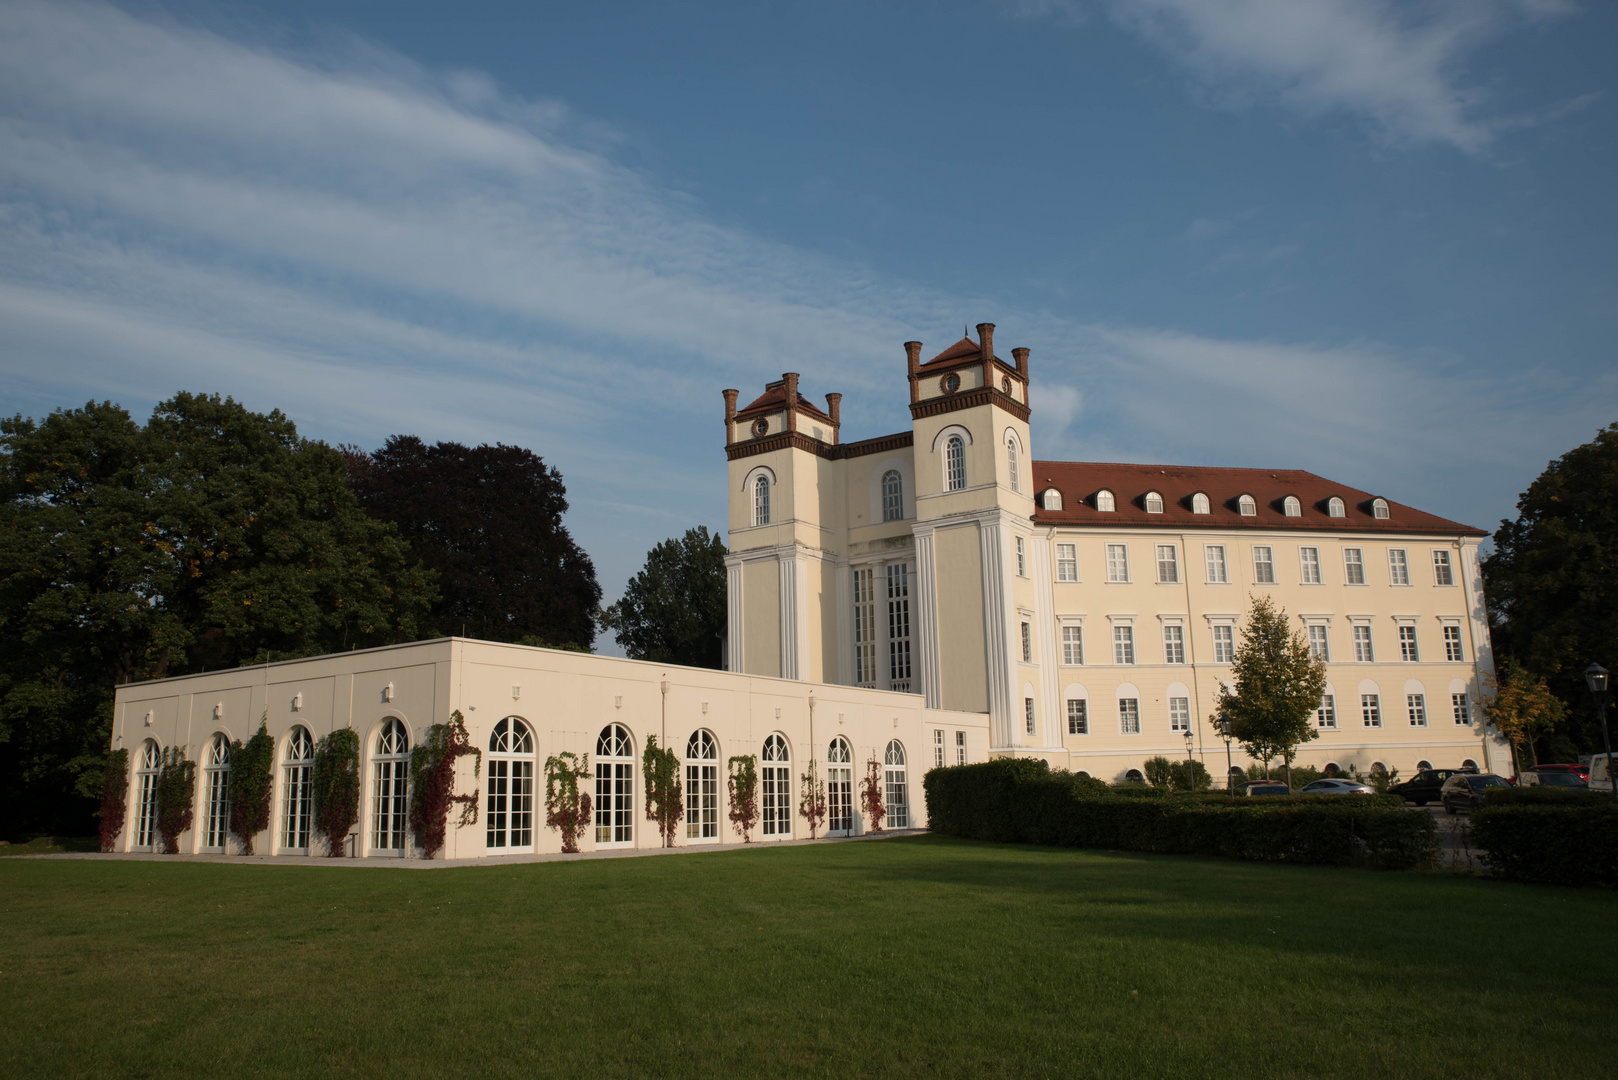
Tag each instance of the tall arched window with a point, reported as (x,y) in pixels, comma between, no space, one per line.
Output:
(777,787)
(761,500)
(1154,503)
(1105,502)
(893,496)
(1012,466)
(839,788)
(1246,506)
(1291,507)
(701,786)
(1334,507)
(151,761)
(390,781)
(897,794)
(510,806)
(615,786)
(955,463)
(297,792)
(216,791)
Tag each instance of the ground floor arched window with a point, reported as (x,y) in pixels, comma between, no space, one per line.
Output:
(839,788)
(777,787)
(390,780)
(509,808)
(297,791)
(897,792)
(216,796)
(615,786)
(701,786)
(151,762)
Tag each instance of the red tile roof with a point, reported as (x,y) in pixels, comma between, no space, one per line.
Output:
(775,397)
(963,349)
(1079,481)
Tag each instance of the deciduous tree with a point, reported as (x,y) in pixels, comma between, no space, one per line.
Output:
(673,611)
(1278,686)
(1521,707)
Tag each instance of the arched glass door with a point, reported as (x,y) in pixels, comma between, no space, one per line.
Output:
(839,788)
(509,815)
(390,779)
(701,787)
(216,789)
(615,786)
(777,788)
(297,792)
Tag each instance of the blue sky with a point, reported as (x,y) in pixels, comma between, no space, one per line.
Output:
(1368,239)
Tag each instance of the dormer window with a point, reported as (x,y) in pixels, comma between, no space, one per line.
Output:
(1291,507)
(1199,503)
(1105,502)
(1052,499)
(1154,503)
(1334,507)
(1379,509)
(1247,506)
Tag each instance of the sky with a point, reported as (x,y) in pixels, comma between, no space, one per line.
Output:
(1373,240)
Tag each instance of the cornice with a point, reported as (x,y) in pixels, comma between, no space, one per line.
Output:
(793,440)
(969,399)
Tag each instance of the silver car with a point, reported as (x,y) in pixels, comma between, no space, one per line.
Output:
(1336,787)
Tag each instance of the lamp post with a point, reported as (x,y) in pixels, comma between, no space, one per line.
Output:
(1190,764)
(1221,726)
(1595,677)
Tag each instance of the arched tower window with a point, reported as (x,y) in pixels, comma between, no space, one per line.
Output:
(839,788)
(509,808)
(615,786)
(893,496)
(1199,504)
(897,791)
(1291,507)
(701,786)
(1154,503)
(777,787)
(390,779)
(1334,507)
(955,463)
(1014,469)
(297,792)
(1247,506)
(216,789)
(151,762)
(761,500)
(1105,501)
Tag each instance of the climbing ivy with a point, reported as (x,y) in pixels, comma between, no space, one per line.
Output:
(871,795)
(567,809)
(744,795)
(252,771)
(661,769)
(114,798)
(813,804)
(337,787)
(432,783)
(176,797)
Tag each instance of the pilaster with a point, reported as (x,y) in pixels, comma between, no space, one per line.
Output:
(926,615)
(735,630)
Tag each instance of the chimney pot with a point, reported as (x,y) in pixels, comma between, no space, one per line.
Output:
(986,341)
(1021,356)
(913,366)
(791,379)
(834,402)
(730,415)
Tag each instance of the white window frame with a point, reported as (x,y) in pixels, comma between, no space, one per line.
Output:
(508,820)
(1443,569)
(1153,502)
(1454,648)
(1072,644)
(1129,716)
(1319,641)
(1200,504)
(897,787)
(893,495)
(1326,712)
(938,748)
(216,795)
(1118,564)
(955,463)
(614,810)
(1078,719)
(1409,646)
(1022,556)
(1247,506)
(1027,642)
(1179,715)
(761,500)
(839,787)
(1173,642)
(1224,642)
(776,761)
(1364,646)
(1123,643)
(1335,507)
(1353,566)
(1461,708)
(1371,710)
(1106,501)
(297,792)
(1013,465)
(390,780)
(1291,507)
(960,748)
(702,788)
(1416,705)
(1264,569)
(1051,498)
(1398,567)
(1379,509)
(1214,562)
(1028,715)
(1067,562)
(1168,569)
(1309,565)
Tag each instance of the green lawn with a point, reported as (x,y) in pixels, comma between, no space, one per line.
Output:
(906,957)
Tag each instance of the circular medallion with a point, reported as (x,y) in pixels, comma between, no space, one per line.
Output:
(951,383)
(761,426)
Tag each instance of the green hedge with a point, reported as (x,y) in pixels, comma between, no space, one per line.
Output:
(1021,801)
(1223,798)
(1575,843)
(1545,796)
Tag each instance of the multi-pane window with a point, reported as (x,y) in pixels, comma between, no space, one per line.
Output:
(1461,709)
(1105,502)
(1398,567)
(1067,562)
(1263,564)
(1214,555)
(1179,714)
(390,804)
(1011,464)
(955,464)
(839,787)
(151,763)
(1154,503)
(1022,557)
(865,627)
(1416,704)
(1353,566)
(297,791)
(778,784)
(1407,644)
(1027,643)
(1073,645)
(898,791)
(1370,710)
(960,748)
(509,809)
(615,786)
(761,500)
(1443,574)
(1173,644)
(1309,565)
(1224,637)
(1028,714)
(1318,646)
(893,497)
(898,575)
(1362,644)
(1117,562)
(1452,643)
(1123,644)
(702,787)
(938,748)
(1078,716)
(216,786)
(1129,716)
(1326,715)
(1168,564)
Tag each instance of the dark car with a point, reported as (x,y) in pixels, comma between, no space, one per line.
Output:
(1265,787)
(1540,777)
(1581,771)
(1465,791)
(1424,787)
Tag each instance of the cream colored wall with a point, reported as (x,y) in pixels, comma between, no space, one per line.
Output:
(963,679)
(761,588)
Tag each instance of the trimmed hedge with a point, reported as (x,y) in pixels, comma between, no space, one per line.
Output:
(1575,843)
(1021,801)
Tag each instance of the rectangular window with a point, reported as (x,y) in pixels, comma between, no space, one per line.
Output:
(1179,714)
(1362,644)
(1326,715)
(1353,566)
(1407,644)
(1117,562)
(1073,645)
(960,748)
(1318,647)
(1370,710)
(1028,714)
(1027,644)
(1442,574)
(899,627)
(1263,565)
(1078,717)
(938,748)
(1022,557)
(1129,716)
(1123,644)
(1463,714)
(1452,643)
(1067,562)
(1417,705)
(1168,564)
(1173,644)
(865,627)
(1309,564)
(1224,644)
(1214,556)
(1398,567)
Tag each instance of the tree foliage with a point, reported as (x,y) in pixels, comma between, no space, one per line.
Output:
(661,770)
(337,788)
(488,521)
(1278,686)
(1521,707)
(1173,773)
(176,797)
(1552,581)
(210,537)
(674,610)
(252,772)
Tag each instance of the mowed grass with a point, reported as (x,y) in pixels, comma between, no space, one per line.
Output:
(911,957)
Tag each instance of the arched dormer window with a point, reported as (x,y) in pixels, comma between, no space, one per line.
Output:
(1379,509)
(1199,503)
(1105,502)
(955,464)
(893,496)
(1334,507)
(1012,467)
(761,500)
(1052,499)
(1154,503)
(1291,507)
(1246,506)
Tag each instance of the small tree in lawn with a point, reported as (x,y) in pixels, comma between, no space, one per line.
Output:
(252,772)
(813,804)
(661,770)
(1521,707)
(1278,686)
(567,809)
(871,795)
(744,795)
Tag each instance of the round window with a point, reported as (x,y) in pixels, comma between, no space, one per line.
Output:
(951,383)
(761,426)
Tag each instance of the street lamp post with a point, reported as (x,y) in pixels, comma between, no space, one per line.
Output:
(1595,677)
(1190,764)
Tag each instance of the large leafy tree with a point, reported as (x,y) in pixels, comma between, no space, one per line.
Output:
(674,610)
(488,521)
(1277,687)
(211,537)
(1552,581)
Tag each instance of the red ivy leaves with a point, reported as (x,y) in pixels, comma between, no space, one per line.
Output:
(114,798)
(744,795)
(432,767)
(566,807)
(871,795)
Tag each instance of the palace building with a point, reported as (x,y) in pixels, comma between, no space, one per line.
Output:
(1090,610)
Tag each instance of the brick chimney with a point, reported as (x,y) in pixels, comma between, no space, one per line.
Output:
(1021,356)
(730,415)
(791,379)
(986,351)
(913,364)
(834,402)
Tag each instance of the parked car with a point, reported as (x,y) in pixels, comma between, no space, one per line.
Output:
(1582,771)
(1265,787)
(1465,791)
(1542,777)
(1336,787)
(1424,787)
